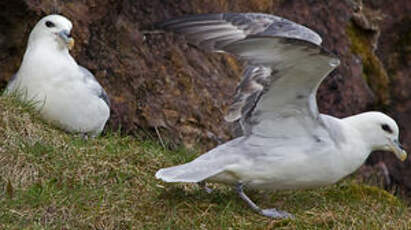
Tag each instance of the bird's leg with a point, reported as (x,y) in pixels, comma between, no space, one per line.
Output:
(273,213)
(240,191)
(84,136)
(203,185)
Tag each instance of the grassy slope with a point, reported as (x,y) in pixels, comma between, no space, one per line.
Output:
(51,180)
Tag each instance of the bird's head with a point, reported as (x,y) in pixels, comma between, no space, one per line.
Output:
(53,27)
(381,131)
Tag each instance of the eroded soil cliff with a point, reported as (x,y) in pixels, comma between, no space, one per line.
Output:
(162,87)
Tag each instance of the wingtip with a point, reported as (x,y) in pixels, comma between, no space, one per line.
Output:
(317,39)
(160,24)
(165,23)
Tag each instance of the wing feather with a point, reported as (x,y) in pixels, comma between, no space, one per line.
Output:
(93,84)
(255,79)
(289,90)
(285,64)
(218,27)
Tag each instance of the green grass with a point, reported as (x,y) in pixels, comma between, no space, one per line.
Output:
(52,180)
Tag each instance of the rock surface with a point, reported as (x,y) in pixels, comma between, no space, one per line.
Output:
(162,87)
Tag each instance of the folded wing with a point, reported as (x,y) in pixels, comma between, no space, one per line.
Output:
(93,84)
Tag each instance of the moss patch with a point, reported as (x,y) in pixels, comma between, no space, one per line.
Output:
(373,69)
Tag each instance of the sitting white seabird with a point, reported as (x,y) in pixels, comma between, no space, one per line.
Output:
(65,93)
(287,143)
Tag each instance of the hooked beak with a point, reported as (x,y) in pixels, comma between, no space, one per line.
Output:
(67,39)
(398,150)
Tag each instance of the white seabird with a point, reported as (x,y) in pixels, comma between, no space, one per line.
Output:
(65,93)
(287,143)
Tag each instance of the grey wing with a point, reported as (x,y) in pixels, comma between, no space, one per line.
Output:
(285,64)
(90,80)
(214,31)
(293,70)
(103,95)
(255,79)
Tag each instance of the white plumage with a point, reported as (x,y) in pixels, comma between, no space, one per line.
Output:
(287,143)
(65,93)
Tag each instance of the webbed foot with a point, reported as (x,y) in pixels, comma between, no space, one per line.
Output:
(277,214)
(272,213)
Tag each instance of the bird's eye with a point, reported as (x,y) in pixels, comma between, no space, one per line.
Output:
(50,24)
(386,128)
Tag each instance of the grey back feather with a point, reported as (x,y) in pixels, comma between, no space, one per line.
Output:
(90,80)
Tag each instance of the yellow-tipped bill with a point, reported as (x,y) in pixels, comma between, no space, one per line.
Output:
(70,44)
(399,152)
(67,39)
(402,155)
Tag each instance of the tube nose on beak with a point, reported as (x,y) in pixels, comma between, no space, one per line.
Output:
(66,37)
(399,151)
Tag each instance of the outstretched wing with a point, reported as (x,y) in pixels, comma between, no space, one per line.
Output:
(93,84)
(214,31)
(285,67)
(280,88)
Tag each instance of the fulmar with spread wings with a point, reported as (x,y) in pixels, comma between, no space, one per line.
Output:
(286,142)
